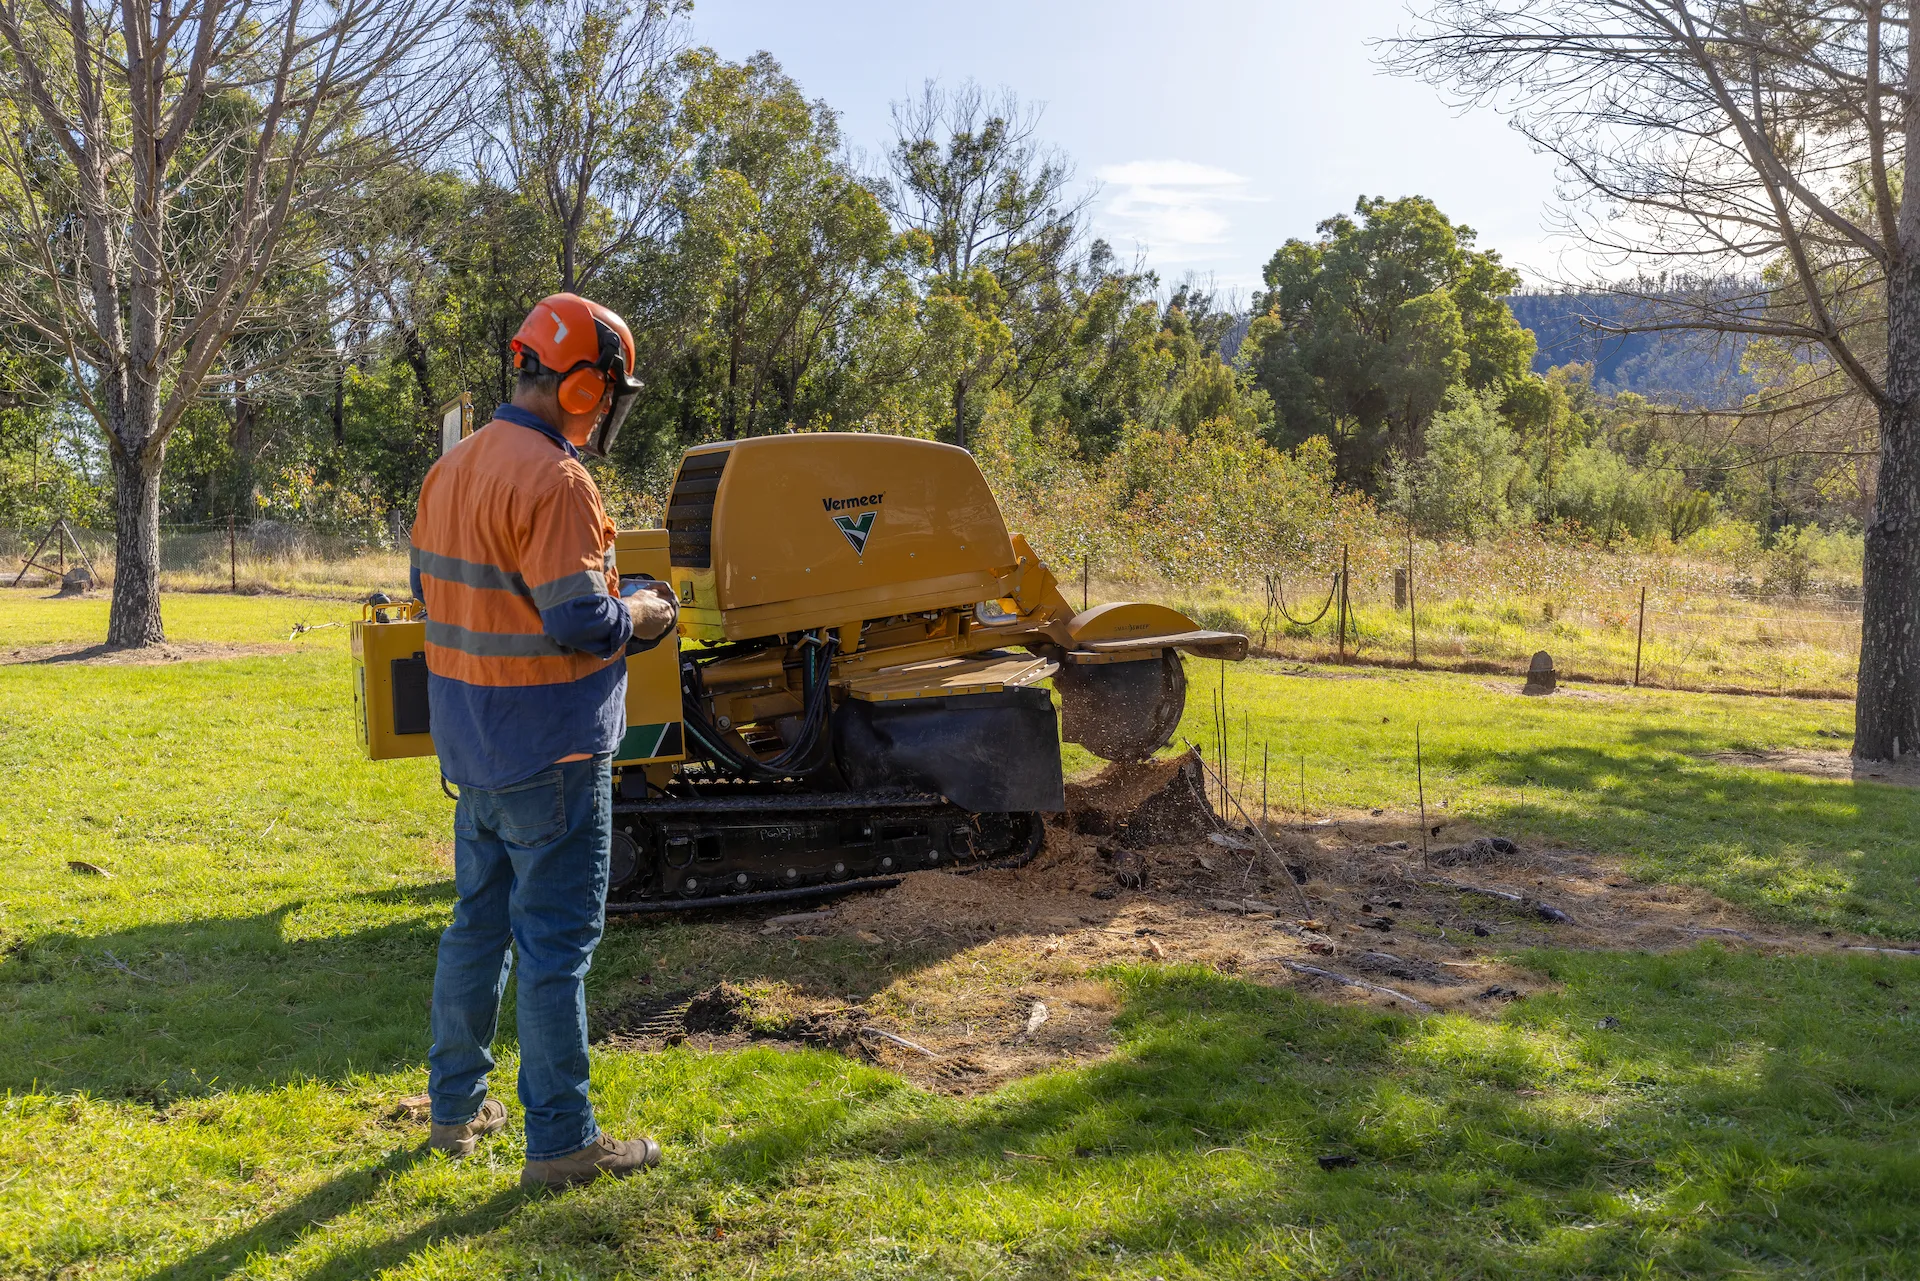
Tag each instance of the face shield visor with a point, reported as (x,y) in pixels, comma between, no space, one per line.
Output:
(625,389)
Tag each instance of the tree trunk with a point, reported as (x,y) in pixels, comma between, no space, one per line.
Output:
(1886,710)
(134,618)
(1886,714)
(730,423)
(960,413)
(340,403)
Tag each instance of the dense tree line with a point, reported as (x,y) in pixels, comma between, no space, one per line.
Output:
(948,289)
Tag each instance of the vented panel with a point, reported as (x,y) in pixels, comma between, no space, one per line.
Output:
(690,510)
(411,713)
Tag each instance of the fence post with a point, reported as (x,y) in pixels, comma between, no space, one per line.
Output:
(1341,620)
(1086,569)
(1639,634)
(1413,609)
(233,558)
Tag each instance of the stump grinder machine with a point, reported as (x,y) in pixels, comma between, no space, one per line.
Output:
(858,689)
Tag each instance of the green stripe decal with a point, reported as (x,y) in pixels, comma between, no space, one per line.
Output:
(642,742)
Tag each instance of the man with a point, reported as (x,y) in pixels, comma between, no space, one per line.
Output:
(526,636)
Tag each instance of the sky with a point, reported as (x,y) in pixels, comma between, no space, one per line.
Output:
(1214,130)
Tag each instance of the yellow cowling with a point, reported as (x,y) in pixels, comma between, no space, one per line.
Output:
(779,534)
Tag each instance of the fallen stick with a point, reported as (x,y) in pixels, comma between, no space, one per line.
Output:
(800,918)
(1719,929)
(1544,910)
(1347,980)
(1274,861)
(1890,951)
(900,1041)
(124,968)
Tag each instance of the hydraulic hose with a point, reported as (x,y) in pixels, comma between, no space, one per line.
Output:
(816,673)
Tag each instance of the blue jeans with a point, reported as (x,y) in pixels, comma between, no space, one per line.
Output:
(530,865)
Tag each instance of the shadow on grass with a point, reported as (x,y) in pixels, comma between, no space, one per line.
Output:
(162,1011)
(1704,1111)
(1835,853)
(1710,1112)
(319,1209)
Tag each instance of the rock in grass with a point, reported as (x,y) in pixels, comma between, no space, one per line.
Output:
(1337,1160)
(86,869)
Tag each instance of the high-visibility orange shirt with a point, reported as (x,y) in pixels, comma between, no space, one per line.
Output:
(513,556)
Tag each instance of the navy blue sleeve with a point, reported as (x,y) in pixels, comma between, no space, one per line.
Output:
(413,581)
(597,625)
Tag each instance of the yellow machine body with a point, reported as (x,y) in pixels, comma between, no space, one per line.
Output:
(390,682)
(785,533)
(390,675)
(897,546)
(858,688)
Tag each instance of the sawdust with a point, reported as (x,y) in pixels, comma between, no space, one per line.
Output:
(1424,933)
(145,656)
(1829,765)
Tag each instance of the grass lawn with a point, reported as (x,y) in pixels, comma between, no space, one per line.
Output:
(199,1054)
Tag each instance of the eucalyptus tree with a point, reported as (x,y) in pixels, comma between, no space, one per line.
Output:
(586,120)
(1362,331)
(795,241)
(1708,136)
(172,171)
(996,226)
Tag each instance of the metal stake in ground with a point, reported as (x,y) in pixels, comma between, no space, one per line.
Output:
(1226,734)
(1420,775)
(1639,634)
(233,558)
(1265,750)
(1086,570)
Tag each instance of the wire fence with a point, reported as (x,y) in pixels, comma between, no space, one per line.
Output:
(1671,630)
(1613,619)
(235,554)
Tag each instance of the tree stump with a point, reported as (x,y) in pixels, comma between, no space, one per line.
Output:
(1541,678)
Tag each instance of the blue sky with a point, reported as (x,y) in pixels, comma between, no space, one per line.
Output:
(1216,129)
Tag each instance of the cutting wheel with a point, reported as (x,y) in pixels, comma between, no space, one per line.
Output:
(1122,711)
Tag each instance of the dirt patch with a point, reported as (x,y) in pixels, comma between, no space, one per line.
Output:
(145,656)
(1518,688)
(981,979)
(1835,765)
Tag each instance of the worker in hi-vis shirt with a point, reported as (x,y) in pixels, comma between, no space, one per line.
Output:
(526,636)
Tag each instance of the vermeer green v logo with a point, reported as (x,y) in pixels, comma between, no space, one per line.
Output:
(856,529)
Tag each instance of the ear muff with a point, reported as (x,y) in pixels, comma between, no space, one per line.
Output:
(581,390)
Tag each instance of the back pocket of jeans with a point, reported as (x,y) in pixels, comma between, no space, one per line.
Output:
(534,812)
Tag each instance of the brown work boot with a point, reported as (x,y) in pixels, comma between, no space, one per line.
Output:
(603,1156)
(459,1140)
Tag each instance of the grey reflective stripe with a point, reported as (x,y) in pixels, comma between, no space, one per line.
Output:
(493,644)
(608,559)
(468,573)
(588,582)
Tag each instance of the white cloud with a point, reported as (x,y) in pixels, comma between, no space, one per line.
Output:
(1176,209)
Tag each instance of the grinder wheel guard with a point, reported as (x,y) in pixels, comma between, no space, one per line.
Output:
(1122,711)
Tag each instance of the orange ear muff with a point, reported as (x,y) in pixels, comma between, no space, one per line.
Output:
(581,390)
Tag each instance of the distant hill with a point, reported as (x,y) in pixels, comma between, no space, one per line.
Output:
(1677,368)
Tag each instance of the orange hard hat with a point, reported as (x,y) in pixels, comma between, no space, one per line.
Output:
(591,349)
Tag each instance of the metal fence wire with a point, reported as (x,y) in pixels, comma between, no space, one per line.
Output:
(1462,608)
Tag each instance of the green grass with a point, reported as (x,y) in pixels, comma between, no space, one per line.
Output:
(198,1054)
